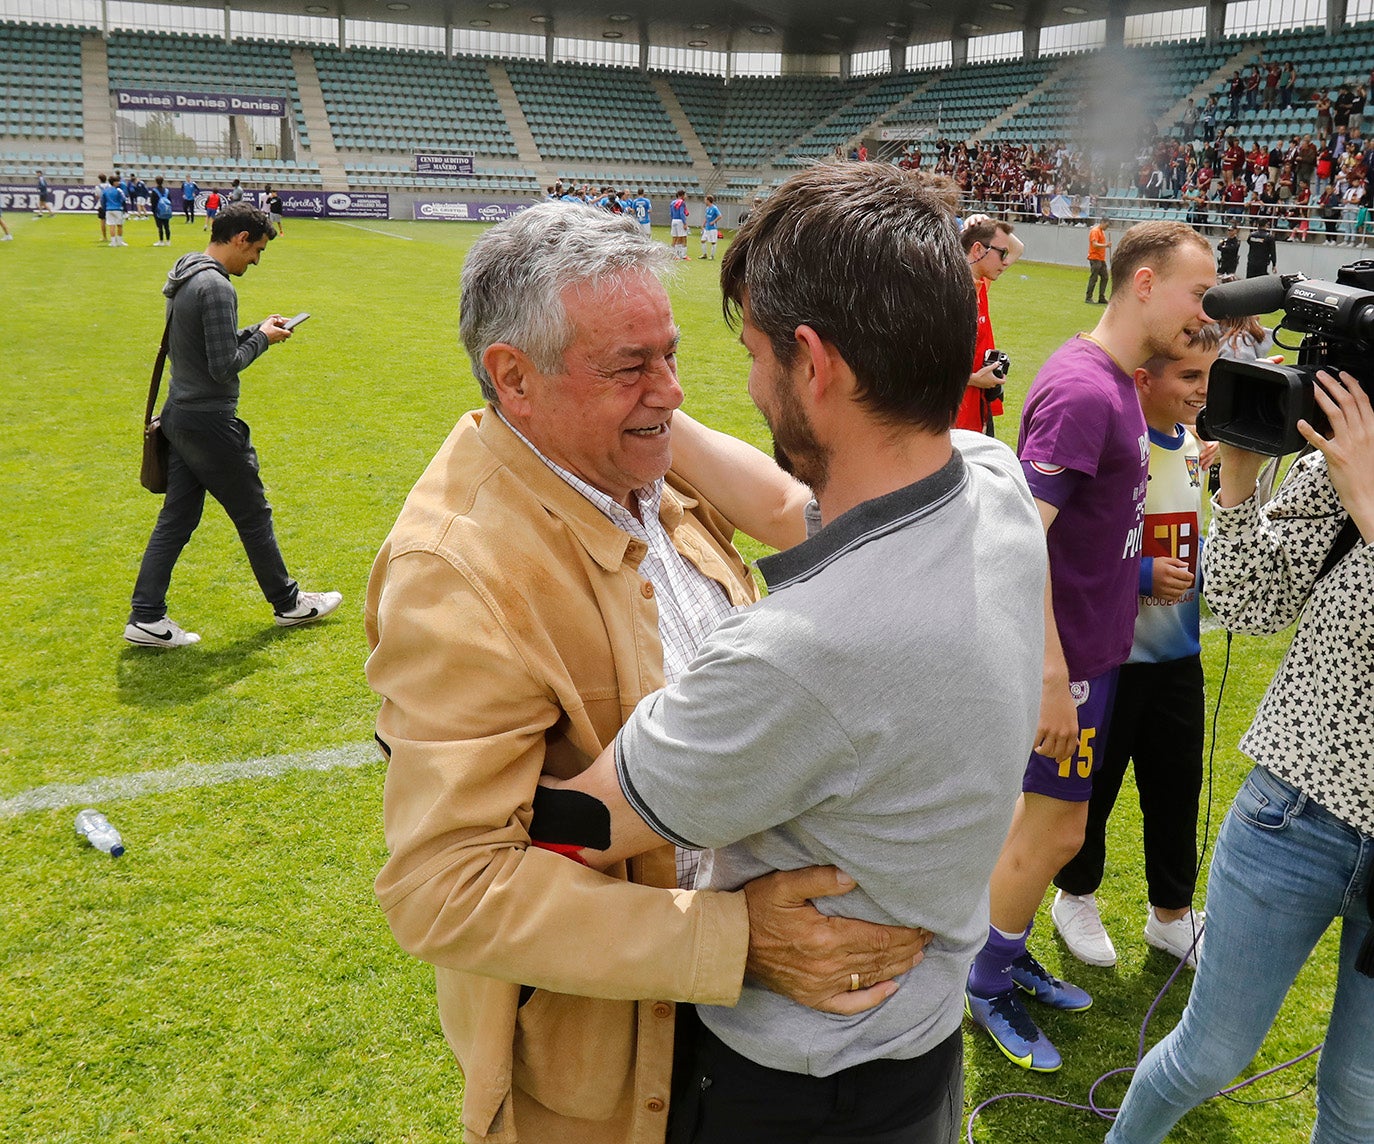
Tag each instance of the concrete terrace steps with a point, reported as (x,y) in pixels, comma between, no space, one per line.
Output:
(322,150)
(97,117)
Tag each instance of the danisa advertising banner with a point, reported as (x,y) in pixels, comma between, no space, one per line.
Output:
(467,211)
(432,164)
(200,102)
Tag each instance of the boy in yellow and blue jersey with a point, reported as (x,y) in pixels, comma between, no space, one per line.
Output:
(1157,716)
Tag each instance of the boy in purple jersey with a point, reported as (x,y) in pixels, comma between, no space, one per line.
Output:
(1084,449)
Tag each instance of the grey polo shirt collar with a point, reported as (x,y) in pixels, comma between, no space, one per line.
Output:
(865,522)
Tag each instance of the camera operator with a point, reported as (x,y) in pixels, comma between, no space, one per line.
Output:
(1295,850)
(990,246)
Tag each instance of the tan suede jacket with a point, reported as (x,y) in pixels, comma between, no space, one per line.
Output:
(511,636)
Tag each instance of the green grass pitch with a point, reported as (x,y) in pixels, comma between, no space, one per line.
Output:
(231,978)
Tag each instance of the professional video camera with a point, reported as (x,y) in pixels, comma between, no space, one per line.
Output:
(1257,406)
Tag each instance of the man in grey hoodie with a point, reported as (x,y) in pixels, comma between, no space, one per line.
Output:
(209,449)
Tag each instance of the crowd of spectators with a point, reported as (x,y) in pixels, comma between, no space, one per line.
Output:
(1217,164)
(1225,169)
(1054,182)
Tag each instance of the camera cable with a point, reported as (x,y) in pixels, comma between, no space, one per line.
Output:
(1108,1113)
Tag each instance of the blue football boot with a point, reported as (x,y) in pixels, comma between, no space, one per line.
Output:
(1013,1031)
(1033,978)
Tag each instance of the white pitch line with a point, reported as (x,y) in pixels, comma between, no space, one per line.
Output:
(55,796)
(373,230)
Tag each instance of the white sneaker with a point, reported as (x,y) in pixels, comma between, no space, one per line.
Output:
(310,606)
(1176,938)
(160,633)
(1079,924)
(7,238)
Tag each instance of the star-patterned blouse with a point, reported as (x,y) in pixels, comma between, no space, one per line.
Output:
(1315,725)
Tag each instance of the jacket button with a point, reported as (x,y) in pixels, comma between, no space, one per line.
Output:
(662,1009)
(647,590)
(654,1104)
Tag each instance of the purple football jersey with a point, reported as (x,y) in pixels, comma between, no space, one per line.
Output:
(1085,448)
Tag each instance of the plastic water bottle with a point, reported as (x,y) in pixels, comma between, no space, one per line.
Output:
(96,829)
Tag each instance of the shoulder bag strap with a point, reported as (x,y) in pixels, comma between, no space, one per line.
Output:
(156,383)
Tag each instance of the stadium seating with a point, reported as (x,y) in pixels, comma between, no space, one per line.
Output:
(746,122)
(495,182)
(595,114)
(960,102)
(40,82)
(179,60)
(379,100)
(58,166)
(868,99)
(607,125)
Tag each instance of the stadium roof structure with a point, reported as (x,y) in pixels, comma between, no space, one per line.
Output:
(791,26)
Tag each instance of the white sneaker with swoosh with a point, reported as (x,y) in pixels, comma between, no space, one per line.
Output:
(160,633)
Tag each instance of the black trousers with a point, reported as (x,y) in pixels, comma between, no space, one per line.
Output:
(1097,273)
(721,1097)
(210,452)
(1158,721)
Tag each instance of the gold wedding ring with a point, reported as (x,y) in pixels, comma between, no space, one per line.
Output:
(853,982)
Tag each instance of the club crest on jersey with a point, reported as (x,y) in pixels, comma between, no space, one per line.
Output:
(1079,690)
(1194,471)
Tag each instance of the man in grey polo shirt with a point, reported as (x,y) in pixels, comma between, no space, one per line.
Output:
(827,723)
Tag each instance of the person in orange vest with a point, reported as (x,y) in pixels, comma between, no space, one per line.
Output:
(1099,247)
(990,247)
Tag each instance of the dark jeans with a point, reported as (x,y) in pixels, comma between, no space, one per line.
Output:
(1097,273)
(721,1097)
(164,228)
(210,452)
(1157,721)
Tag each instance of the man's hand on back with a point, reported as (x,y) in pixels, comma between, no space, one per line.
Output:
(797,951)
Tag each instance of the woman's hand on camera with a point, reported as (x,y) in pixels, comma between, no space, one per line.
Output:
(1240,469)
(1349,451)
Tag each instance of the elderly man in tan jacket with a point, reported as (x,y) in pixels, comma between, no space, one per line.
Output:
(546,573)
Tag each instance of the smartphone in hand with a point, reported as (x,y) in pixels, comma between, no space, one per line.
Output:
(292,323)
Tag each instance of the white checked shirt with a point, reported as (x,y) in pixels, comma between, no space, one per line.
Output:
(690,603)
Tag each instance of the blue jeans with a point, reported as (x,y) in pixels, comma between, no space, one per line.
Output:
(210,452)
(1283,871)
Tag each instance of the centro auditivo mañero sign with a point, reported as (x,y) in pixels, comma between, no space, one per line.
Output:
(200,102)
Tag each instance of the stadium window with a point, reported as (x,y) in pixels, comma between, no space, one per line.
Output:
(686,60)
(1274,15)
(1003,46)
(383,34)
(1060,39)
(1178,24)
(82,13)
(137,17)
(928,57)
(511,45)
(283,26)
(870,63)
(1358,11)
(617,53)
(756,63)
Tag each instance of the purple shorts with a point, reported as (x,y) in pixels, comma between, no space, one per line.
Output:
(1071,779)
